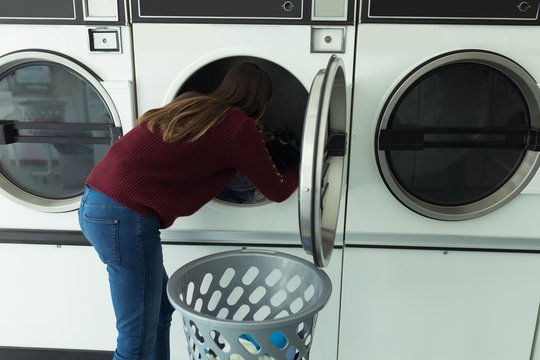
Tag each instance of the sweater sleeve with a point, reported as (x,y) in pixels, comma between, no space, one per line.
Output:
(251,157)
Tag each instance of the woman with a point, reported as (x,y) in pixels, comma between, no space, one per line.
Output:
(175,160)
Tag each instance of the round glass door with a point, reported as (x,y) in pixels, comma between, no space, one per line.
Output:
(57,122)
(457,138)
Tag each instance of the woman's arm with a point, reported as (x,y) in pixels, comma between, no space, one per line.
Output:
(251,157)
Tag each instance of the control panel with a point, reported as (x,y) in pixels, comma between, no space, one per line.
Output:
(244,11)
(515,12)
(88,12)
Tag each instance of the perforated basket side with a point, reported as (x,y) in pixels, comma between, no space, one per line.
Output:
(249,304)
(291,342)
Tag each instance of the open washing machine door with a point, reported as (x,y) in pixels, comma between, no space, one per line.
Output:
(322,166)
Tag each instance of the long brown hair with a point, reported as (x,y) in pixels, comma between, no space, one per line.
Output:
(245,85)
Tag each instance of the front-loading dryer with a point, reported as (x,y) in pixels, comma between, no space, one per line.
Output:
(441,256)
(66,94)
(307,49)
(445,123)
(181,47)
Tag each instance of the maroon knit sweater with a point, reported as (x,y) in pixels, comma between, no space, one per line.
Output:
(168,180)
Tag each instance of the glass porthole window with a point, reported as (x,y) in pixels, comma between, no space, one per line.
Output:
(457,139)
(57,123)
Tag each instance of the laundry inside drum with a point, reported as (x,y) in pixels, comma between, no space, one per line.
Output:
(283,118)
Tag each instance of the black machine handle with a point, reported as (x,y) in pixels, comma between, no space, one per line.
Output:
(336,144)
(9,133)
(419,138)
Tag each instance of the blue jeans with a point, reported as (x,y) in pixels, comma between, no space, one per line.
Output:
(129,244)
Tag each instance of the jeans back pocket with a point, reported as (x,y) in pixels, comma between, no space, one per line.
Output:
(103,235)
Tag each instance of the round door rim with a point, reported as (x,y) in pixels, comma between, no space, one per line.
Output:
(23,57)
(526,170)
(310,177)
(183,76)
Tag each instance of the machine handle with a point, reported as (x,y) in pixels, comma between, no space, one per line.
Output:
(53,133)
(419,138)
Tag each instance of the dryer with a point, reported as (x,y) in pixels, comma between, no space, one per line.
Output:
(66,93)
(441,255)
(179,47)
(307,48)
(445,122)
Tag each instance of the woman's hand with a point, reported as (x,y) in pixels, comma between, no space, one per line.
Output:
(268,136)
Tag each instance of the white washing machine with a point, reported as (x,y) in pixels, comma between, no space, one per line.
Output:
(441,258)
(307,48)
(180,47)
(66,93)
(444,127)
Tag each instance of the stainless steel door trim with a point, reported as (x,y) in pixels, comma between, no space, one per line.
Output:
(321,172)
(525,172)
(18,59)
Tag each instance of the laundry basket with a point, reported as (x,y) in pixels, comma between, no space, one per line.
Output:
(249,305)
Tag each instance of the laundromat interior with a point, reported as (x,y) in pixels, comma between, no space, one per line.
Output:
(416,124)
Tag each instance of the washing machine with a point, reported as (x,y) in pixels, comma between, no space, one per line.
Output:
(187,46)
(441,248)
(445,122)
(66,94)
(307,49)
